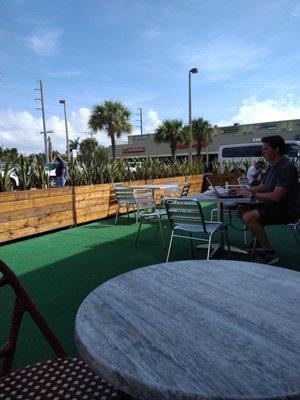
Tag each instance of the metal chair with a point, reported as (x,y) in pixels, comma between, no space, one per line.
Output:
(186,215)
(62,378)
(147,211)
(185,189)
(125,197)
(295,227)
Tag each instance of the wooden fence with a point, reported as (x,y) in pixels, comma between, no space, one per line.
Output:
(30,212)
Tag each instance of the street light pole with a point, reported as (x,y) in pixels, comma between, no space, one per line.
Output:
(191,71)
(66,127)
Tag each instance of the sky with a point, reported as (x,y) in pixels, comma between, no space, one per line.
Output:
(140,52)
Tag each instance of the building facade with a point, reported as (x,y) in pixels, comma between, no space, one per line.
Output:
(141,146)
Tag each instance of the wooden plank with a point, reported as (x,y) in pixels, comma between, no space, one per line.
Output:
(92,188)
(92,217)
(24,232)
(39,202)
(34,221)
(34,212)
(33,194)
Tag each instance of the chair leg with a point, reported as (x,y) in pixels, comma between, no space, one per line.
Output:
(253,248)
(227,238)
(209,247)
(117,213)
(159,225)
(192,247)
(294,231)
(245,235)
(138,232)
(170,246)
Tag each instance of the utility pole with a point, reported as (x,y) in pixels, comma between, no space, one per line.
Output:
(66,128)
(44,119)
(140,114)
(48,145)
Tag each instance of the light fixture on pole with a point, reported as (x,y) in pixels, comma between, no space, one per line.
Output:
(191,71)
(66,127)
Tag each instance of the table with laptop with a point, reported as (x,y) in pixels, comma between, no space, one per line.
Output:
(225,200)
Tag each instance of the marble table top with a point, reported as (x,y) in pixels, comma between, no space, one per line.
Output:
(196,330)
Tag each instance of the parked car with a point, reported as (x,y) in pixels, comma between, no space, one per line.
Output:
(50,170)
(14,180)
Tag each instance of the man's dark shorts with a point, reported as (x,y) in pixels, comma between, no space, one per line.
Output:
(275,214)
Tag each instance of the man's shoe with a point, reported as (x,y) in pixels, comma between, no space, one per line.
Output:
(267,257)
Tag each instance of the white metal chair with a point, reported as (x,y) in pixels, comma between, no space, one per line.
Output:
(147,211)
(186,216)
(125,197)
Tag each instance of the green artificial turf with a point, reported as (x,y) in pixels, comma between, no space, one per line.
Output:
(60,269)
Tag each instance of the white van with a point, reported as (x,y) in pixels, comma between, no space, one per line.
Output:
(238,153)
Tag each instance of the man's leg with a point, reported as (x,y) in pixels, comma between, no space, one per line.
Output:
(251,219)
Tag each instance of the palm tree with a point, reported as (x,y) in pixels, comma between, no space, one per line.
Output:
(74,144)
(171,131)
(113,117)
(202,133)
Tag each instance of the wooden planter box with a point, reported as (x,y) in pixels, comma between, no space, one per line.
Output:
(30,212)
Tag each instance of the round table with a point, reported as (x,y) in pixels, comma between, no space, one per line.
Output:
(196,330)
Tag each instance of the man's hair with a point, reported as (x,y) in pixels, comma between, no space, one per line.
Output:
(276,142)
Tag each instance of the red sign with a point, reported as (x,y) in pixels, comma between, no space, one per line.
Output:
(134,150)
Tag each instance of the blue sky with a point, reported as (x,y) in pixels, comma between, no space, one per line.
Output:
(140,52)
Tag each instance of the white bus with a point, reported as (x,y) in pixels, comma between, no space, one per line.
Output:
(239,153)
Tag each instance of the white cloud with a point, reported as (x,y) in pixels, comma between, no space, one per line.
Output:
(22,130)
(152,121)
(223,58)
(253,110)
(44,42)
(65,74)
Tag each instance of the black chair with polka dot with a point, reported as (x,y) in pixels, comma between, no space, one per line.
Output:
(62,378)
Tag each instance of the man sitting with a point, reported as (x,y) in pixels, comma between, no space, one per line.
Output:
(279,194)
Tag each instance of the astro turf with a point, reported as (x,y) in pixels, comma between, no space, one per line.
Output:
(60,269)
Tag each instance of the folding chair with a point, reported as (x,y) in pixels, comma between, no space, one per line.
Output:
(186,216)
(147,211)
(61,378)
(125,197)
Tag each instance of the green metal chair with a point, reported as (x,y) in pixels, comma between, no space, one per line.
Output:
(186,216)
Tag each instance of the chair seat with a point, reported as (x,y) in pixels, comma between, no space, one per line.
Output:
(154,215)
(63,378)
(210,227)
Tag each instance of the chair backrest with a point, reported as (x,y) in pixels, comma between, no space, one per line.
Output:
(23,302)
(185,212)
(243,182)
(144,199)
(185,189)
(123,193)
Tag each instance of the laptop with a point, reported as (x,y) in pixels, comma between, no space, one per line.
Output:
(223,195)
